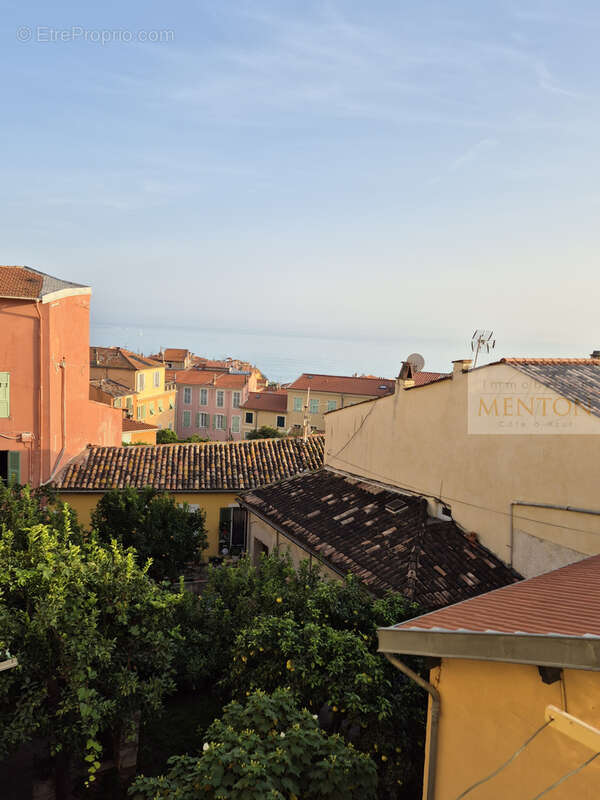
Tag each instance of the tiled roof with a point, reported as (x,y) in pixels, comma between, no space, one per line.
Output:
(383,537)
(119,358)
(344,384)
(266,401)
(113,388)
(137,425)
(210,466)
(175,354)
(423,378)
(564,602)
(577,379)
(223,380)
(31,284)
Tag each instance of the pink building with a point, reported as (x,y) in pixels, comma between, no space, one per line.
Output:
(208,404)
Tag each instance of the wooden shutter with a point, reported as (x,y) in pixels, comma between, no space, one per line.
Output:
(4,394)
(14,467)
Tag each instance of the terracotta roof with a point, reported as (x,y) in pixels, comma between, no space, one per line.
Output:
(384,537)
(577,379)
(25,283)
(266,401)
(113,388)
(344,384)
(222,380)
(563,602)
(137,425)
(175,354)
(423,378)
(210,466)
(119,358)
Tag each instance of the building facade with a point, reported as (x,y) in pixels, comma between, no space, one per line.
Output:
(46,415)
(209,404)
(265,409)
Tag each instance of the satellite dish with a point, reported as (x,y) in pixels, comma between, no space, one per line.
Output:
(416,361)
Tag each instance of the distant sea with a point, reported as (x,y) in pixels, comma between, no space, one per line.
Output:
(284,358)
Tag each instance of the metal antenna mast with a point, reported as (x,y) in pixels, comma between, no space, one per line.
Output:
(482,340)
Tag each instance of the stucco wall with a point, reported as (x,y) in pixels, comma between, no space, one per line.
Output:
(85,502)
(488,710)
(318,420)
(419,440)
(263,417)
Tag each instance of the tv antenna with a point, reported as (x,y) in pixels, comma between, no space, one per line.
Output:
(482,340)
(416,361)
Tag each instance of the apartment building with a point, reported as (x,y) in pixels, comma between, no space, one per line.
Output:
(209,404)
(265,409)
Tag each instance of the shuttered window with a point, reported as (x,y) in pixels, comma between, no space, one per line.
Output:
(4,394)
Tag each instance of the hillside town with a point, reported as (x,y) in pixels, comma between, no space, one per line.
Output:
(456,515)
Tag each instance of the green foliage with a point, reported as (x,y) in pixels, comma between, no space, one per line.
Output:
(268,748)
(166,436)
(22,507)
(155,525)
(265,432)
(93,635)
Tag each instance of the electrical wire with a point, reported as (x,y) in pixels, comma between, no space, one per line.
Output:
(505,764)
(564,777)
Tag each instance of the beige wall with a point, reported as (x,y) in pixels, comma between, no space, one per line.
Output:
(262,533)
(85,502)
(317,421)
(488,710)
(262,417)
(419,440)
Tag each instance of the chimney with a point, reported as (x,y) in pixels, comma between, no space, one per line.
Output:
(405,377)
(461,365)
(595,354)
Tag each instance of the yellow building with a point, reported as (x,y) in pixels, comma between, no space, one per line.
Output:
(509,450)
(514,700)
(152,397)
(265,409)
(207,475)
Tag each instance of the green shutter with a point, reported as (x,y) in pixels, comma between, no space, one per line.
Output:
(14,467)
(4,394)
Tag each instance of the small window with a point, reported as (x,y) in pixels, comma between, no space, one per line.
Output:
(156,378)
(235,424)
(117,402)
(129,403)
(314,406)
(141,411)
(203,397)
(297,404)
(141,381)
(237,397)
(187,395)
(331,405)
(220,422)
(187,419)
(4,394)
(151,408)
(161,407)
(249,417)
(171,405)
(10,466)
(220,398)
(281,422)
(202,420)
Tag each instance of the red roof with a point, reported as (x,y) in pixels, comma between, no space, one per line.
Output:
(422,378)
(175,354)
(119,358)
(26,283)
(266,401)
(563,602)
(136,425)
(223,380)
(344,384)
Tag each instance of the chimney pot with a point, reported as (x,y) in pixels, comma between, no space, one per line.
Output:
(461,365)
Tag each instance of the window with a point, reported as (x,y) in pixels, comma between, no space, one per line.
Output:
(171,404)
(220,398)
(117,402)
(141,381)
(281,422)
(314,406)
(297,404)
(151,408)
(249,418)
(187,419)
(129,403)
(5,394)
(202,420)
(220,421)
(141,411)
(235,424)
(331,405)
(237,396)
(160,405)
(10,466)
(203,397)
(187,395)
(156,378)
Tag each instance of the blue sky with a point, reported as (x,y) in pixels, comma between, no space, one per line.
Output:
(370,169)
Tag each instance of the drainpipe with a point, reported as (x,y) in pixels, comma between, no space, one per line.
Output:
(40,398)
(62,364)
(552,506)
(434,720)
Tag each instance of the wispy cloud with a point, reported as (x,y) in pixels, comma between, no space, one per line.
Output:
(547,82)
